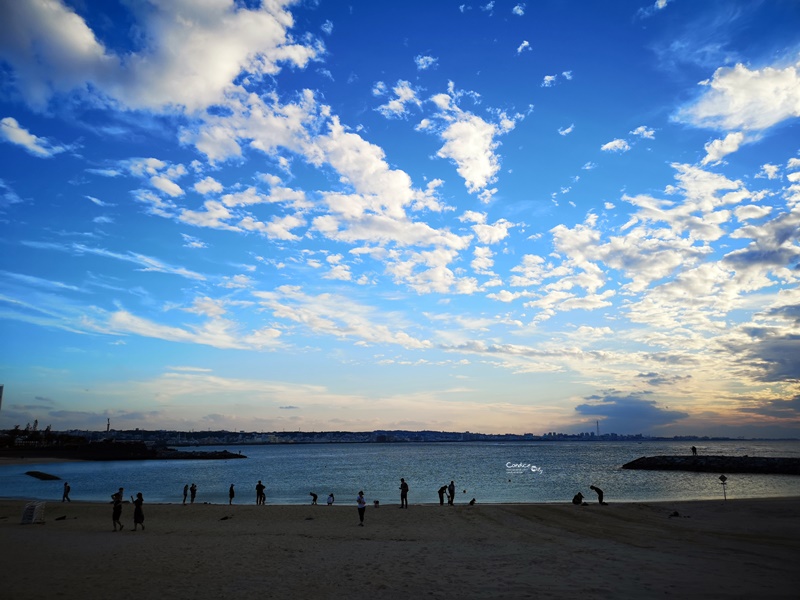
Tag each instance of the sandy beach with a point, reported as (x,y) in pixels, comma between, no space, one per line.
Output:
(713,549)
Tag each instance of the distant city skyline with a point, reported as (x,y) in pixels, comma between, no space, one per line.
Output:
(503,217)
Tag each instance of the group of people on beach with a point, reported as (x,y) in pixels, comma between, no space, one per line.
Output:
(578,498)
(116,510)
(450,492)
(190,492)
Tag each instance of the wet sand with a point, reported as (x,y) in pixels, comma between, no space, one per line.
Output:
(713,549)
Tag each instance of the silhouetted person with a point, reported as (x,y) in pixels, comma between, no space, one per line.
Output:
(192,492)
(472,502)
(186,493)
(694,451)
(138,513)
(331,499)
(442,492)
(261,497)
(451,493)
(65,496)
(599,493)
(116,509)
(577,499)
(231,495)
(362,508)
(403,493)
(313,498)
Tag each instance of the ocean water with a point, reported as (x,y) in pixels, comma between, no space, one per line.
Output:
(489,472)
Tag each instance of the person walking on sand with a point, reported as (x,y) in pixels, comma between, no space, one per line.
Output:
(442,492)
(192,492)
(403,493)
(138,513)
(261,497)
(451,493)
(231,494)
(694,450)
(599,493)
(330,499)
(116,509)
(65,495)
(313,498)
(362,508)
(185,492)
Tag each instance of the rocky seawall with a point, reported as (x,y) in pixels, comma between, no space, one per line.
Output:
(718,464)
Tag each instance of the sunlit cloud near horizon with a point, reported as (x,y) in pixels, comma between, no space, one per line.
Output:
(496,217)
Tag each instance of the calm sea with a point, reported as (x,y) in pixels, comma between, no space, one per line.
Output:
(488,472)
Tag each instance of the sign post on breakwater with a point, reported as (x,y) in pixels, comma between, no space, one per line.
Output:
(723,480)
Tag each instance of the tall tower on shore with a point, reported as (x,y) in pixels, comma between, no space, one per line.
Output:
(597,424)
(1,396)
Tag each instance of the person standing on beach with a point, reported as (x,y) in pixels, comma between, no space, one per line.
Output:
(362,508)
(442,492)
(403,493)
(231,494)
(261,497)
(193,492)
(599,493)
(330,499)
(313,498)
(185,492)
(65,496)
(451,493)
(694,451)
(116,509)
(138,513)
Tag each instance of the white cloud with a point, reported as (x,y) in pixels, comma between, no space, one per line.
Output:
(566,130)
(746,100)
(519,9)
(209,185)
(716,150)
(404,94)
(425,62)
(192,54)
(768,171)
(617,145)
(549,80)
(644,132)
(12,132)
(523,46)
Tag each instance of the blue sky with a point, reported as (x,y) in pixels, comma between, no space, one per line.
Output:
(487,216)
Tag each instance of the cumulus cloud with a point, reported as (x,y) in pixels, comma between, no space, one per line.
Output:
(740,99)
(404,94)
(716,150)
(549,80)
(644,132)
(617,145)
(191,63)
(425,62)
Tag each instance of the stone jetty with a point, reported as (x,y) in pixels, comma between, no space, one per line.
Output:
(718,464)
